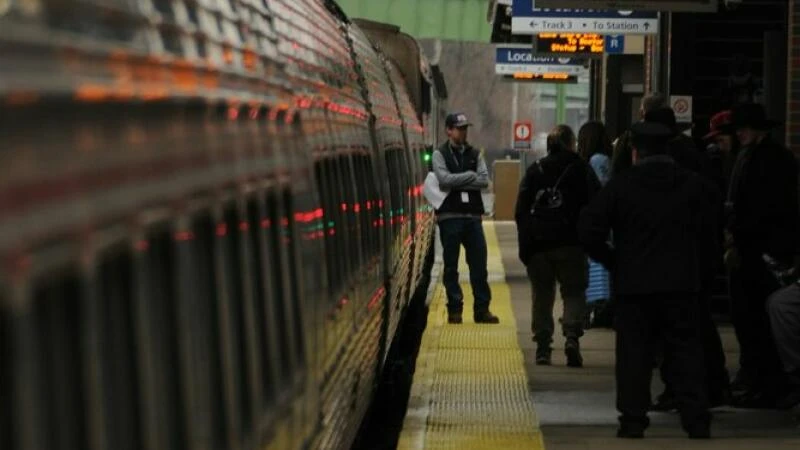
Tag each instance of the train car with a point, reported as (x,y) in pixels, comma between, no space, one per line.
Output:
(211,220)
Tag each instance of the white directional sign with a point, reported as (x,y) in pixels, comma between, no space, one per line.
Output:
(526,19)
(511,69)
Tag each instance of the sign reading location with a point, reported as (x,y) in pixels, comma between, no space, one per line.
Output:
(583,44)
(510,60)
(522,135)
(525,19)
(639,5)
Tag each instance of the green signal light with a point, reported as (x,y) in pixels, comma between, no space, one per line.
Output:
(427,157)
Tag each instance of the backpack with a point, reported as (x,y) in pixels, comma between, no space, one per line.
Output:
(549,215)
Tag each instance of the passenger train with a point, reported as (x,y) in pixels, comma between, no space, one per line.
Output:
(211,220)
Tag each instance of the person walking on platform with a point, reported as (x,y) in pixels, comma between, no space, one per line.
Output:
(550,198)
(762,220)
(461,170)
(664,224)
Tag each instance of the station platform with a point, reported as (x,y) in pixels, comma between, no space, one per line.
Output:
(477,387)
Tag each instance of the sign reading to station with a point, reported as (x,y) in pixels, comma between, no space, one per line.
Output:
(583,44)
(526,19)
(518,60)
(523,131)
(639,5)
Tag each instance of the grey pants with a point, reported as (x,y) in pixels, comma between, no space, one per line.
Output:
(783,308)
(568,266)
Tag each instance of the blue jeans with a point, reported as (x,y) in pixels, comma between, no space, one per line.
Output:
(467,232)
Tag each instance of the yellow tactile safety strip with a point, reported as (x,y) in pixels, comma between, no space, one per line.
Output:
(470,390)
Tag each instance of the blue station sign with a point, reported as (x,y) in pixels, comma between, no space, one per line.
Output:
(526,18)
(510,60)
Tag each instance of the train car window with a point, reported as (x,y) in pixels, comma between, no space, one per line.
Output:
(200,45)
(207,293)
(274,246)
(119,360)
(55,327)
(156,321)
(374,212)
(172,42)
(262,281)
(343,224)
(395,190)
(329,208)
(7,435)
(191,12)
(295,280)
(164,7)
(367,195)
(360,191)
(405,171)
(234,294)
(350,200)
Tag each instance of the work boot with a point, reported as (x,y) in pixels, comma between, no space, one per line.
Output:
(486,317)
(543,355)
(573,351)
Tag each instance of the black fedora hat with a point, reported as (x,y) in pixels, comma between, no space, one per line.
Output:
(750,115)
(666,116)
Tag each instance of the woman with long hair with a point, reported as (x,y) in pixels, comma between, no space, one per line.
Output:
(595,148)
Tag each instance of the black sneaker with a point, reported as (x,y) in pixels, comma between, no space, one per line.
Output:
(543,355)
(632,428)
(573,351)
(486,317)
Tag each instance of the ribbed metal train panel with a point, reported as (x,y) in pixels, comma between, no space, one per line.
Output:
(193,224)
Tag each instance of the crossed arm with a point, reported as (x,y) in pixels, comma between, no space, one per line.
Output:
(468,180)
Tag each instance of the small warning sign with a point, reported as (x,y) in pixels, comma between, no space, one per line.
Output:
(682,105)
(522,135)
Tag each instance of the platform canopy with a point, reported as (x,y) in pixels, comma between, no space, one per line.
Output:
(462,20)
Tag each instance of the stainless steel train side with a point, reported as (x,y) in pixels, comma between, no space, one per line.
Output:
(211,221)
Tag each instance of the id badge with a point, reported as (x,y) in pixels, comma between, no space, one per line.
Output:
(464,197)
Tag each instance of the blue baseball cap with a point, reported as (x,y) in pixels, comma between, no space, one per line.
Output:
(456,120)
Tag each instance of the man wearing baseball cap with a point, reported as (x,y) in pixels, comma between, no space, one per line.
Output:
(461,170)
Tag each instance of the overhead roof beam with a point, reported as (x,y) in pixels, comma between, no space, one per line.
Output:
(461,20)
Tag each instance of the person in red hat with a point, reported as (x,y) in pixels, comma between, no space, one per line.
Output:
(719,131)
(723,146)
